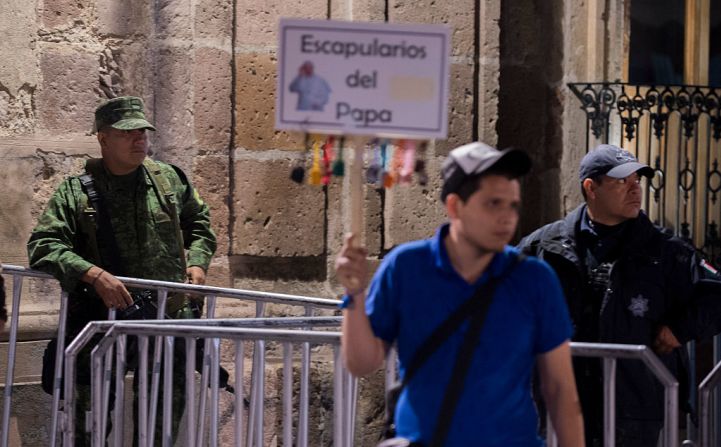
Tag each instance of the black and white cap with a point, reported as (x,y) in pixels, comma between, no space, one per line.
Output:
(476,158)
(610,160)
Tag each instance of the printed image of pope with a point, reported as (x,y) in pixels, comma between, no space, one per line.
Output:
(313,91)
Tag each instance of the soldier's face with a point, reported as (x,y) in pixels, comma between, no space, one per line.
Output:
(123,150)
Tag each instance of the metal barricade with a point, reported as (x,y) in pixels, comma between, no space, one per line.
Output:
(209,293)
(705,413)
(189,331)
(610,353)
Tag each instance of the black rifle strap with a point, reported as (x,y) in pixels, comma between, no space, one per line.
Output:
(110,257)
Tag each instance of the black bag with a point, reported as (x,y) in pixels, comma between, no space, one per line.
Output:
(48,373)
(475,309)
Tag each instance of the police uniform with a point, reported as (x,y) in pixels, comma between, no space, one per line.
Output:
(621,287)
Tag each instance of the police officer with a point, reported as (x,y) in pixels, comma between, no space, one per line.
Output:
(128,216)
(625,281)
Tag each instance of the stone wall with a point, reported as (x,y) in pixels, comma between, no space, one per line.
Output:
(545,46)
(206,69)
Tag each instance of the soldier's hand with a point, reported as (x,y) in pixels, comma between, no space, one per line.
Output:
(195,274)
(351,266)
(109,288)
(665,341)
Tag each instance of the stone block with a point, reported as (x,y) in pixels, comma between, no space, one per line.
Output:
(173,19)
(488,70)
(414,211)
(30,416)
(255,105)
(124,70)
(273,215)
(62,13)
(127,18)
(364,10)
(212,111)
(16,213)
(218,274)
(457,14)
(18,66)
(28,360)
(460,109)
(174,97)
(258,22)
(65,100)
(17,115)
(210,179)
(213,20)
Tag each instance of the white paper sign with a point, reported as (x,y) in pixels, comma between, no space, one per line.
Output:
(363,78)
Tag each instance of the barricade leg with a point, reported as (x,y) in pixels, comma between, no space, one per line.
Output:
(609,404)
(141,378)
(239,393)
(287,394)
(338,403)
(190,347)
(119,412)
(214,373)
(205,376)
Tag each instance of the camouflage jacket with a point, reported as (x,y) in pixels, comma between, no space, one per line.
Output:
(144,231)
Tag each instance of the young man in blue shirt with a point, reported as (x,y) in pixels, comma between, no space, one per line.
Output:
(420,284)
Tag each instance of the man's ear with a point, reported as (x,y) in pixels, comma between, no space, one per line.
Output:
(101,138)
(453,200)
(590,188)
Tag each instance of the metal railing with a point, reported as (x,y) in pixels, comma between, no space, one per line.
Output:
(610,353)
(344,386)
(209,293)
(706,418)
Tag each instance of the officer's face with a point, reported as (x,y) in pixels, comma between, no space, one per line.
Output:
(615,200)
(487,220)
(123,150)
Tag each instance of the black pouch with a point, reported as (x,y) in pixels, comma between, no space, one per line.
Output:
(48,373)
(82,373)
(143,307)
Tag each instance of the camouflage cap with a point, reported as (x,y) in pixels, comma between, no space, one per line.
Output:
(123,113)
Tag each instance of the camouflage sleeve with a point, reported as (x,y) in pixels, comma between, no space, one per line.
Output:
(199,238)
(51,247)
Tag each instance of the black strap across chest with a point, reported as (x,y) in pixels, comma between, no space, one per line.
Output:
(474,309)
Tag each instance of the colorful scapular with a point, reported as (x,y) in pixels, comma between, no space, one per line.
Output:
(389,165)
(315,173)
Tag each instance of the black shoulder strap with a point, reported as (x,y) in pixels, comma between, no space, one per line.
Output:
(475,304)
(455,386)
(110,258)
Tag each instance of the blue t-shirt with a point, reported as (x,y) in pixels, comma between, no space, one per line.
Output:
(416,289)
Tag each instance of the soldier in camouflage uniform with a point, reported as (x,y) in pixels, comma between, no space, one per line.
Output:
(145,200)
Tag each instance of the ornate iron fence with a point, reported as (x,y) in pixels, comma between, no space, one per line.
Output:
(675,129)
